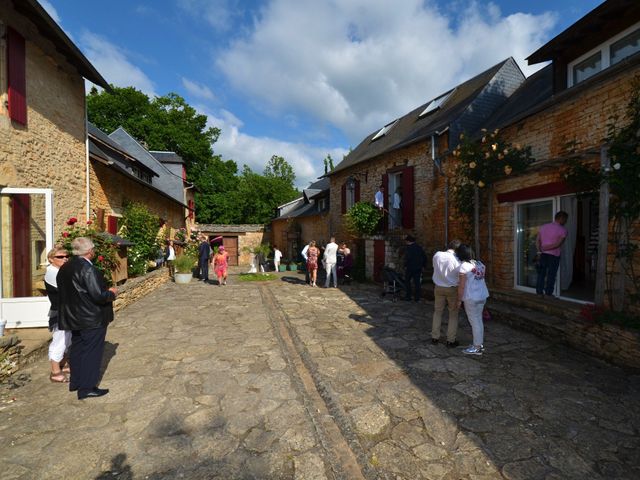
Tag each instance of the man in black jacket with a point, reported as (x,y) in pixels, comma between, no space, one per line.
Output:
(85,308)
(414,260)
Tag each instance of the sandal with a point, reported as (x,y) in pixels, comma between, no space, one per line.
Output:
(58,378)
(66,369)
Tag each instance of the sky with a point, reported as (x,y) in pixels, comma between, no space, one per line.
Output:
(305,78)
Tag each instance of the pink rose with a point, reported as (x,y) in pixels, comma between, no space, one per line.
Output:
(65,234)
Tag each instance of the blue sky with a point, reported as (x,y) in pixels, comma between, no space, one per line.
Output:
(304,78)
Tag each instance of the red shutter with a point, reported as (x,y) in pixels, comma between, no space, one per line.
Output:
(112,224)
(343,193)
(16,77)
(407,198)
(356,192)
(385,184)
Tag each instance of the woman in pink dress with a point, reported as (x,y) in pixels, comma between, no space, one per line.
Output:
(220,265)
(312,262)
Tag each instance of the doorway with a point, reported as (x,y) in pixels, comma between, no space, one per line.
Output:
(577,272)
(26,234)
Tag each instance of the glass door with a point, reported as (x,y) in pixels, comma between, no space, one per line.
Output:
(26,234)
(529,218)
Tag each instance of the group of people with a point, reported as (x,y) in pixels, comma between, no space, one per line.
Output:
(217,258)
(81,309)
(332,258)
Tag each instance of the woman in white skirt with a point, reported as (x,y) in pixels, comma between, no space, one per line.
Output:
(61,339)
(472,290)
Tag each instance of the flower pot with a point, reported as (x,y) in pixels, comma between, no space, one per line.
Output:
(183,277)
(282,268)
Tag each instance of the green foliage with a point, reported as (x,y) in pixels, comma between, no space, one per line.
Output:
(140,227)
(363,218)
(263,248)
(184,263)
(256,277)
(328,164)
(105,258)
(482,163)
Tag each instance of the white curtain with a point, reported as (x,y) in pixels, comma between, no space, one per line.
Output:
(569,205)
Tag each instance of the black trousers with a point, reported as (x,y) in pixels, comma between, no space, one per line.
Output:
(413,277)
(85,357)
(203,267)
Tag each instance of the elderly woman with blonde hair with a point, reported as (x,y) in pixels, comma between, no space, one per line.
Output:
(61,339)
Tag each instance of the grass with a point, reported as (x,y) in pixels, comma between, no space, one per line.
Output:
(256,277)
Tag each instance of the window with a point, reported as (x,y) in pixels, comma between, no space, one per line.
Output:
(383,131)
(617,48)
(436,104)
(323,204)
(350,194)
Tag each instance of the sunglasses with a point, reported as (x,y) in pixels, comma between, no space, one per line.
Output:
(61,256)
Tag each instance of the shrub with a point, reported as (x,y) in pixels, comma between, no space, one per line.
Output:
(363,218)
(140,227)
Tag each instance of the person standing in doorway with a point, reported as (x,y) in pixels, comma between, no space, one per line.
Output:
(330,260)
(86,309)
(170,256)
(445,290)
(550,238)
(414,261)
(204,254)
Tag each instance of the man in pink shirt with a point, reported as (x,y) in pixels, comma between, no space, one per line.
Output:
(550,238)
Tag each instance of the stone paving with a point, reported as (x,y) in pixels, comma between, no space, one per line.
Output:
(278,380)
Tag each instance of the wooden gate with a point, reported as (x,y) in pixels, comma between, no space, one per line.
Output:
(231,246)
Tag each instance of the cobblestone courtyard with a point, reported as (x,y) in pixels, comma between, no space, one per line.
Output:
(277,380)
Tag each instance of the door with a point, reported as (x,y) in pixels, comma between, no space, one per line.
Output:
(231,246)
(378,259)
(26,235)
(530,217)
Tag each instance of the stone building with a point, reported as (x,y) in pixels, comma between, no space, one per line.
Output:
(564,111)
(404,158)
(237,239)
(44,165)
(302,220)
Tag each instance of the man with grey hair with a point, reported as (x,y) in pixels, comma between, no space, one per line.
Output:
(85,308)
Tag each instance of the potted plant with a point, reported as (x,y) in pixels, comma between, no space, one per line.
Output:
(283,265)
(184,268)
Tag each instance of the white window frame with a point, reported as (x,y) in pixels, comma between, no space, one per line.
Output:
(436,103)
(605,53)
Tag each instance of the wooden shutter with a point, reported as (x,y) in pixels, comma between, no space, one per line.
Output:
(343,193)
(356,192)
(112,224)
(408,200)
(385,184)
(16,77)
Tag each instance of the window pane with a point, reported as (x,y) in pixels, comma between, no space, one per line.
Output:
(587,68)
(24,253)
(625,47)
(530,217)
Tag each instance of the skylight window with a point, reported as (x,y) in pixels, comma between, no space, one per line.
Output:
(383,131)
(436,104)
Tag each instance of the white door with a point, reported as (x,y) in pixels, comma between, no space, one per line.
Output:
(26,235)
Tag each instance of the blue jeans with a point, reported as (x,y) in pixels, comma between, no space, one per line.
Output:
(414,277)
(547,267)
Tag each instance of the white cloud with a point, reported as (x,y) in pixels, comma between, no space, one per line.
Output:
(218,13)
(357,64)
(197,89)
(306,160)
(50,9)
(114,65)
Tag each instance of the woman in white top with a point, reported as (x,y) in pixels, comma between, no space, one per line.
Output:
(277,256)
(472,290)
(61,339)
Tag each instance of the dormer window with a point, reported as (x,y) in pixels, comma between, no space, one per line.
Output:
(383,131)
(617,48)
(436,104)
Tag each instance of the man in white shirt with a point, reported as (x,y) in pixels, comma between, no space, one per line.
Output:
(170,256)
(445,280)
(379,197)
(330,260)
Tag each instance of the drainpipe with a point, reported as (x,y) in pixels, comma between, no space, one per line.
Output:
(86,149)
(446,187)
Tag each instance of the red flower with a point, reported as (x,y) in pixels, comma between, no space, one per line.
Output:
(72,220)
(89,222)
(65,234)
(100,258)
(473,270)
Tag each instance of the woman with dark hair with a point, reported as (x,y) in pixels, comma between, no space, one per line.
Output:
(472,290)
(312,262)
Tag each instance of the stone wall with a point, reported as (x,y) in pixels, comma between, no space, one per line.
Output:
(110,190)
(138,287)
(249,240)
(615,344)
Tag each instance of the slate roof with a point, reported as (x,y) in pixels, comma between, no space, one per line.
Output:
(167,181)
(305,205)
(167,157)
(49,29)
(316,188)
(469,104)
